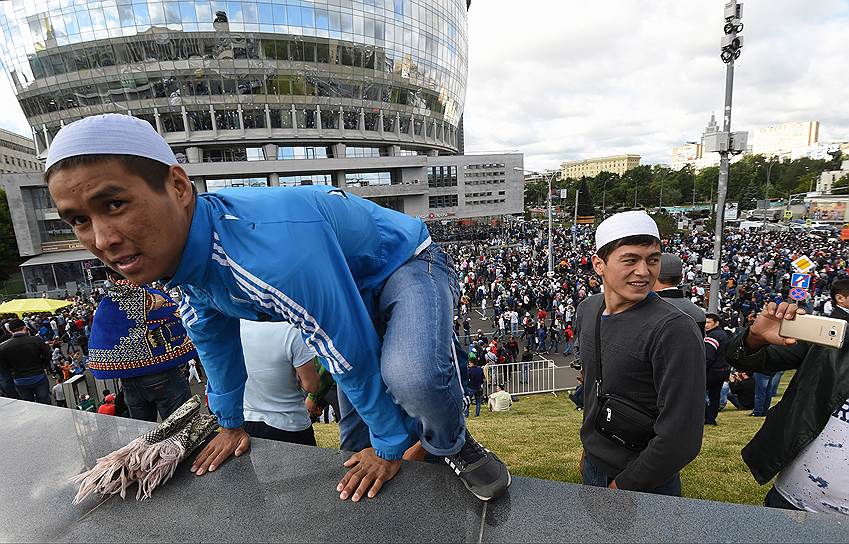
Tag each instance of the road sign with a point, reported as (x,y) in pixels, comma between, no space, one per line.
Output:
(803,264)
(802,281)
(798,294)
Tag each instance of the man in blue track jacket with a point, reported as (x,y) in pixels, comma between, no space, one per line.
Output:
(369,290)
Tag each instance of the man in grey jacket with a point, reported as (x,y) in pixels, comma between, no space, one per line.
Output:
(651,355)
(666,287)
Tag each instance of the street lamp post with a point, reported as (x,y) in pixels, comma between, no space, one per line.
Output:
(766,193)
(603,194)
(575,218)
(725,143)
(694,187)
(660,202)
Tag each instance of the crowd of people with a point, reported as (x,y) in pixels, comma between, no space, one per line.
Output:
(62,349)
(504,275)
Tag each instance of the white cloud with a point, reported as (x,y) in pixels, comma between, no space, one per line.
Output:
(565,79)
(12,117)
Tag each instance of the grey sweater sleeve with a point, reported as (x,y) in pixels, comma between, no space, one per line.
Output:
(678,363)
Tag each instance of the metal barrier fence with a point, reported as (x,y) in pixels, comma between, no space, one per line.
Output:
(538,376)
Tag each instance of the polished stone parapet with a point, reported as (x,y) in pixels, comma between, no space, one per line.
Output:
(284,492)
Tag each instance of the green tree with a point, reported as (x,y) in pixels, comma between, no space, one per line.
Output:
(9,257)
(535,193)
(748,199)
(585,200)
(806,183)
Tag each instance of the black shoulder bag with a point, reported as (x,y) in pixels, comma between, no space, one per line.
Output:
(619,419)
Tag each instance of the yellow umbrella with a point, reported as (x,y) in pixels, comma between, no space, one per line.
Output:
(32,305)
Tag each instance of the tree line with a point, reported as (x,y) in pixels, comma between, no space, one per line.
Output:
(658,185)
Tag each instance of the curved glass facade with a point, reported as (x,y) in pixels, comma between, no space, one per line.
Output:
(321,71)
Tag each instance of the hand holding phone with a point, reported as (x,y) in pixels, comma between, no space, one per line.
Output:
(765,328)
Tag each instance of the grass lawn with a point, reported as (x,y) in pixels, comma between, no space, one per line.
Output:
(539,438)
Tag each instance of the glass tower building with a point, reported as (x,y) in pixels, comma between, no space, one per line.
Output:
(215,76)
(365,95)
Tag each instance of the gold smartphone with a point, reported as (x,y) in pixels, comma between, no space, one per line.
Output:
(824,331)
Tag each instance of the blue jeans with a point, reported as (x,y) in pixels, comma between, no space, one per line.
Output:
(418,360)
(38,392)
(162,392)
(578,396)
(477,396)
(569,345)
(592,475)
(723,396)
(7,386)
(766,387)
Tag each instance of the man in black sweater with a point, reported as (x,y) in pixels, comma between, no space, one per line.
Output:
(717,368)
(27,358)
(651,356)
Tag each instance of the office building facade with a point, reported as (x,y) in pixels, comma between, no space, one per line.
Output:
(17,154)
(784,139)
(617,164)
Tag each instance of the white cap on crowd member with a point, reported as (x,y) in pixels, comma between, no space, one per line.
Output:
(109,134)
(624,224)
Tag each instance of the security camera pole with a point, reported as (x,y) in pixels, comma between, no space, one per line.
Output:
(724,142)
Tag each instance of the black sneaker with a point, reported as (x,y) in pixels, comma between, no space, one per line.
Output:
(480,470)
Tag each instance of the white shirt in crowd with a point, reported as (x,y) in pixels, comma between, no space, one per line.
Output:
(58,392)
(500,401)
(272,353)
(827,307)
(818,479)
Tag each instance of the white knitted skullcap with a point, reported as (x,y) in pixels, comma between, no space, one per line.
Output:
(624,224)
(109,134)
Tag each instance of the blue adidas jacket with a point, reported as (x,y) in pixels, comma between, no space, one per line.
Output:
(313,256)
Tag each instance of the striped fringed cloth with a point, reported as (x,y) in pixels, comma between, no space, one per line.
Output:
(151,459)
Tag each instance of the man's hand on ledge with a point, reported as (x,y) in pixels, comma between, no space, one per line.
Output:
(228,442)
(367,475)
(613,485)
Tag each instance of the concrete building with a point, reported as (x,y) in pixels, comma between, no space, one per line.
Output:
(688,153)
(366,96)
(617,164)
(17,153)
(532,177)
(826,181)
(781,140)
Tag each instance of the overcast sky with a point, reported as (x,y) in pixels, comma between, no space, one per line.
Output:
(565,79)
(568,79)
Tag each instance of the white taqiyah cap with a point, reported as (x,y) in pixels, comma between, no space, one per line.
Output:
(109,134)
(624,224)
